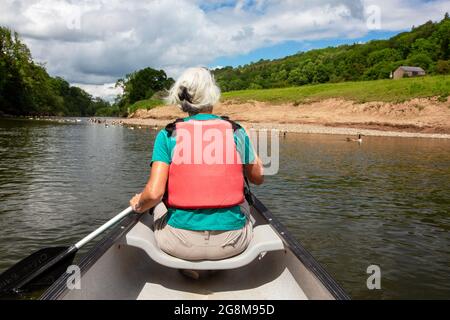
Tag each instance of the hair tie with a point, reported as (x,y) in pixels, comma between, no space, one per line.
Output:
(184,95)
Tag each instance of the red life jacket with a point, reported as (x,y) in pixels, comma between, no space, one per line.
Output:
(206,170)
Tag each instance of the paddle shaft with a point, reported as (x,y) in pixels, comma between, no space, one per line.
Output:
(107,225)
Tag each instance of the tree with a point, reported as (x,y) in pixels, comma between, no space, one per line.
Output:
(443,38)
(443,67)
(27,89)
(296,77)
(381,70)
(387,54)
(14,82)
(420,60)
(141,85)
(322,73)
(429,47)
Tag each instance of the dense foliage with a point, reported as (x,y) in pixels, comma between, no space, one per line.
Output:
(427,46)
(27,89)
(141,85)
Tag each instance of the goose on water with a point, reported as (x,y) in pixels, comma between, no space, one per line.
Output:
(359,139)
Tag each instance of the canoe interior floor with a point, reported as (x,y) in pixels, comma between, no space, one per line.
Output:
(128,273)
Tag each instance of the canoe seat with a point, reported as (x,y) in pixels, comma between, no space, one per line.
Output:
(264,240)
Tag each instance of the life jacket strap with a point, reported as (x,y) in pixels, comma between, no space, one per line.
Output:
(248,192)
(170,128)
(236,126)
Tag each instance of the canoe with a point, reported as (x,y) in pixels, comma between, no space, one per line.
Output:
(128,265)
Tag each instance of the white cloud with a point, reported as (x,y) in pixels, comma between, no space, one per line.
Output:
(98,41)
(107,91)
(403,14)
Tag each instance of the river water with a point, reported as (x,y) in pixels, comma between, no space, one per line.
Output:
(385,202)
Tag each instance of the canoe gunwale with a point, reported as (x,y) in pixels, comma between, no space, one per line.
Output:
(57,289)
(301,253)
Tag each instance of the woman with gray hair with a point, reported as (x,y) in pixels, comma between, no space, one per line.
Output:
(207,216)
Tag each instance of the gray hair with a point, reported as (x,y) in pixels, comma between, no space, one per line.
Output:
(195,91)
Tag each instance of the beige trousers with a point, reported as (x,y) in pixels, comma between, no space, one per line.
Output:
(202,245)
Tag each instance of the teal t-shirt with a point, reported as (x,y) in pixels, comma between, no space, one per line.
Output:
(221,219)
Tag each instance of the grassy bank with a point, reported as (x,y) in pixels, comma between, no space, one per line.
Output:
(145,104)
(362,91)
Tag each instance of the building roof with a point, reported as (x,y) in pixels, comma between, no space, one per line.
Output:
(411,69)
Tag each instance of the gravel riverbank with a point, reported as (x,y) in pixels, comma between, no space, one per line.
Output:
(301,128)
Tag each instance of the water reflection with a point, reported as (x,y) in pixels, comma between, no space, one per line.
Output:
(384,202)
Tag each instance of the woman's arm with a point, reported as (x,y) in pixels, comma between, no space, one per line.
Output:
(255,171)
(154,190)
(253,168)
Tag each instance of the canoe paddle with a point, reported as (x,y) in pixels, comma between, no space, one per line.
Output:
(46,265)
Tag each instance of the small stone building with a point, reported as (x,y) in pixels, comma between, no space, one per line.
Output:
(405,71)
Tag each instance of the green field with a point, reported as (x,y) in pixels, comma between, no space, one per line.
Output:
(361,91)
(145,104)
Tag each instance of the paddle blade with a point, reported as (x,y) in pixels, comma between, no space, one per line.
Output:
(38,270)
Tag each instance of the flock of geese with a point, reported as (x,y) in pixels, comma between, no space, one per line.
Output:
(115,123)
(358,139)
(131,127)
(55,119)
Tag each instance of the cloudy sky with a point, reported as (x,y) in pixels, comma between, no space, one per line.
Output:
(92,43)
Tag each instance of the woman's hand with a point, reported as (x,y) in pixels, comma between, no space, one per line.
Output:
(136,204)
(255,172)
